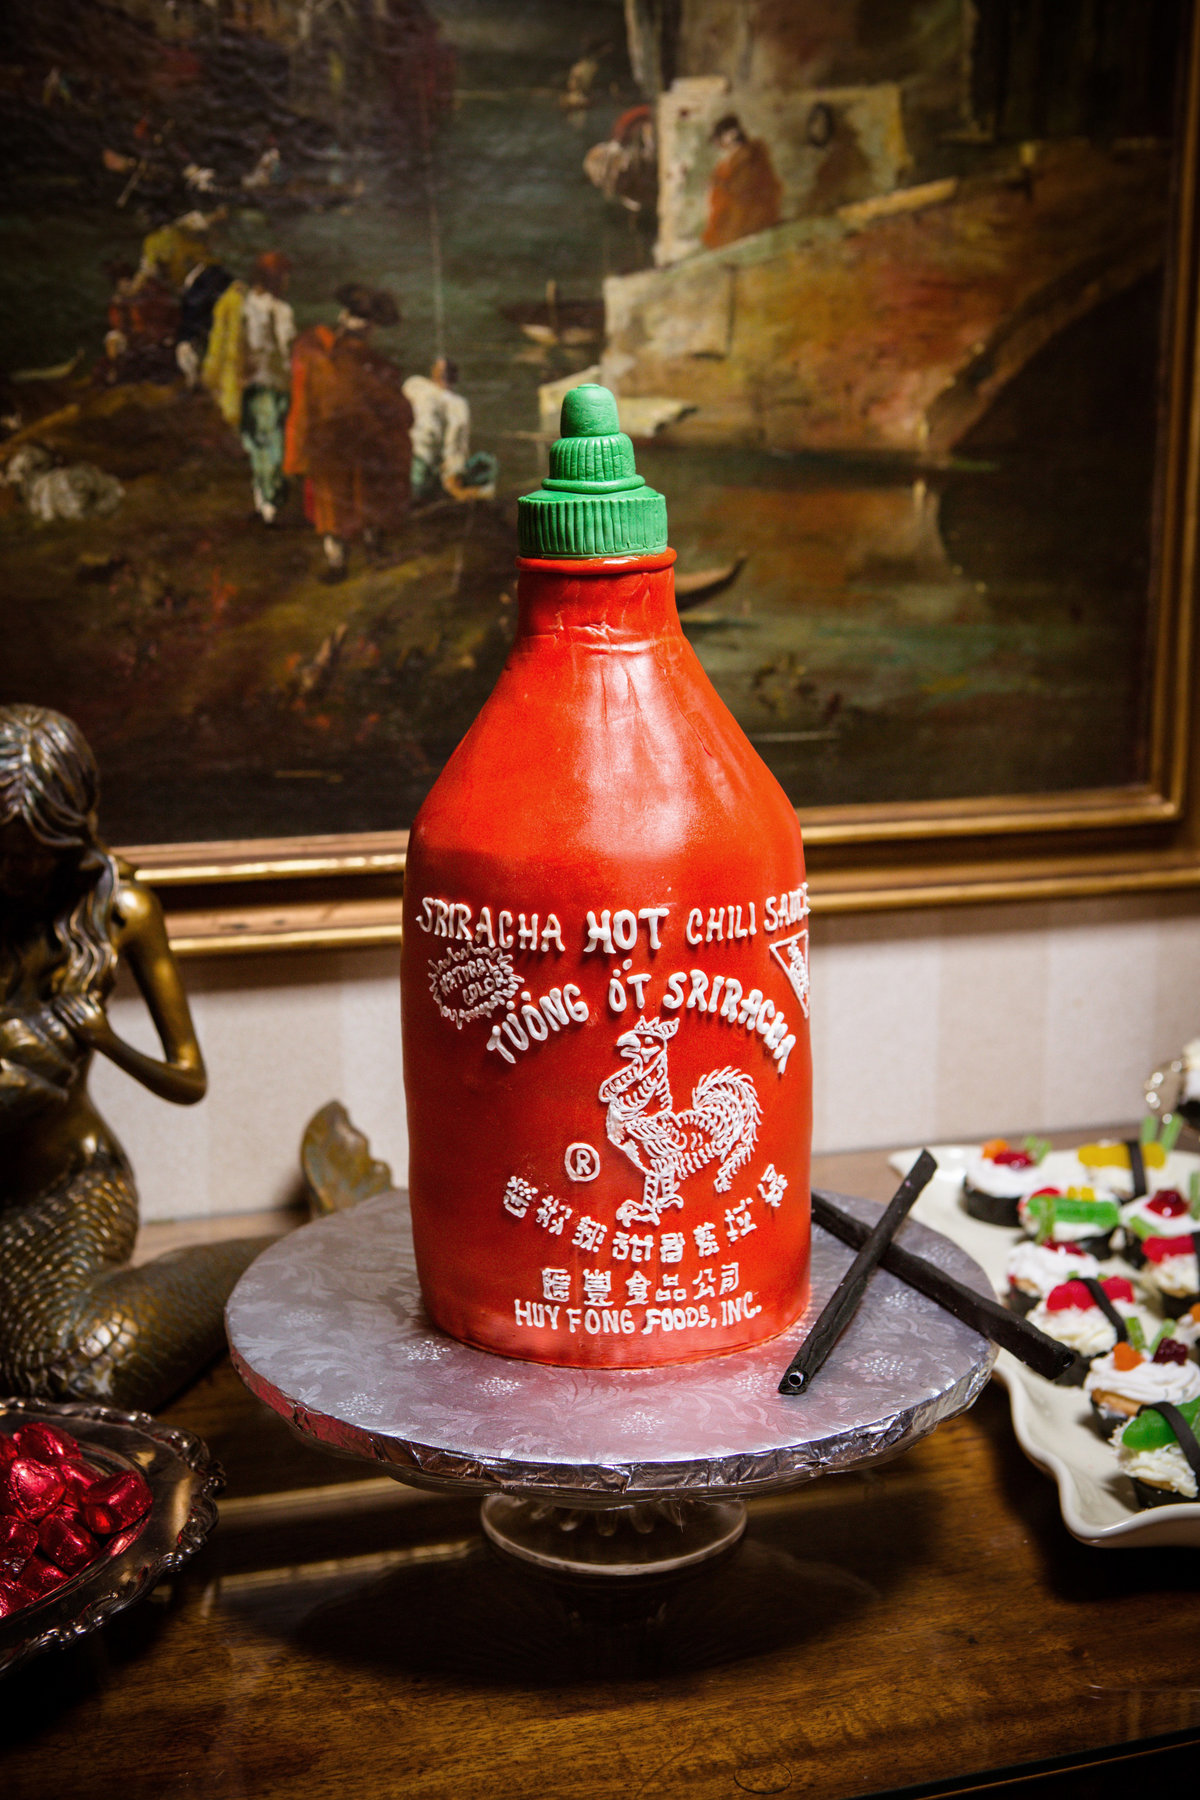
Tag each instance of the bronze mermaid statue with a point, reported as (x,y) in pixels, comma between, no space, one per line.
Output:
(76,1321)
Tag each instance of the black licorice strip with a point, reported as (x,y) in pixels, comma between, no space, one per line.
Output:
(844,1301)
(1106,1307)
(1183,1431)
(1043,1354)
(1137,1166)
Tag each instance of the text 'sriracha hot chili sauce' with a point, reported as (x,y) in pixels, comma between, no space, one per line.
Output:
(605,970)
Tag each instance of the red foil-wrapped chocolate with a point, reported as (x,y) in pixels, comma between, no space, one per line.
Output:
(16,1553)
(40,1577)
(58,1513)
(115,1503)
(78,1475)
(13,1598)
(29,1489)
(43,1442)
(18,1534)
(67,1545)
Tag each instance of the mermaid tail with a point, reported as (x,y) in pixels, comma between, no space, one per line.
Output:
(77,1323)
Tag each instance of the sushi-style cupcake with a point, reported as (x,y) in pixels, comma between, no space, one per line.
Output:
(1133,1166)
(1161,1215)
(1159,1452)
(1172,1271)
(1077,1217)
(1126,1379)
(1000,1176)
(1090,1317)
(1185,1328)
(1035,1270)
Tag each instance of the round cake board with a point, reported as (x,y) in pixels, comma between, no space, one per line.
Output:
(590,1472)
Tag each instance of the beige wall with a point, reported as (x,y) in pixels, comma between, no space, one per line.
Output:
(927,1026)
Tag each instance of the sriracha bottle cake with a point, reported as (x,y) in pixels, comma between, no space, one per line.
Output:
(605,970)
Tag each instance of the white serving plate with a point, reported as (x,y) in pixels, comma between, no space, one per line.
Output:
(1054,1424)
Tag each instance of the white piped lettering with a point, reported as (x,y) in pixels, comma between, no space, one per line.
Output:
(638,984)
(624,929)
(652,914)
(699,991)
(555,1012)
(599,933)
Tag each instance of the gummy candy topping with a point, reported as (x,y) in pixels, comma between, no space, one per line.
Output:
(1150,1431)
(1075,1295)
(1159,1250)
(1069,1296)
(1168,1203)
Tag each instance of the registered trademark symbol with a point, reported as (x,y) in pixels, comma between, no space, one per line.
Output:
(582,1162)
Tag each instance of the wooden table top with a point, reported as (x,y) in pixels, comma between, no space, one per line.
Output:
(912,1626)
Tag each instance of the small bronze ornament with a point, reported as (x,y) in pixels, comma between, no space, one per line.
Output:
(76,1321)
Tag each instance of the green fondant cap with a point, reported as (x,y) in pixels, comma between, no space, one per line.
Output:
(1149,1430)
(1103,1215)
(593,502)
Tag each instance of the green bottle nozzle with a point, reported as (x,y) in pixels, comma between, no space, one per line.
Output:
(593,502)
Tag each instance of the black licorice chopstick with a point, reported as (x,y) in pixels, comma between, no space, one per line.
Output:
(841,1308)
(1044,1355)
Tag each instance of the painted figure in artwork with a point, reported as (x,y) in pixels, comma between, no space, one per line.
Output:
(625,166)
(179,253)
(745,193)
(442,462)
(247,370)
(76,1322)
(143,326)
(348,428)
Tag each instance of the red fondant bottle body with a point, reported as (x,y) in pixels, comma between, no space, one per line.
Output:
(605,978)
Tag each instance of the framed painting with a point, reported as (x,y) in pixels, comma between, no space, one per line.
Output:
(899,301)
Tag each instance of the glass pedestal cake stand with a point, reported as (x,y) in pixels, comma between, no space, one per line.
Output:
(593,1476)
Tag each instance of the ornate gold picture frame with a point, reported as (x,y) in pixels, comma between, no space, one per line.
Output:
(720,189)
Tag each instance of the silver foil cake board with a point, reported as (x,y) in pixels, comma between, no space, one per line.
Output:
(328,1328)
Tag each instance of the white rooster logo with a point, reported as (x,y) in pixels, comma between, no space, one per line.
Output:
(668,1146)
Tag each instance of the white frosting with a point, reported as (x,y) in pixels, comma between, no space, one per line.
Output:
(1165,1468)
(1063,1169)
(1179,1226)
(1111,1182)
(1148,1382)
(1037,1268)
(1187,1329)
(1085,1329)
(1001,1180)
(1175,1275)
(1065,1231)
